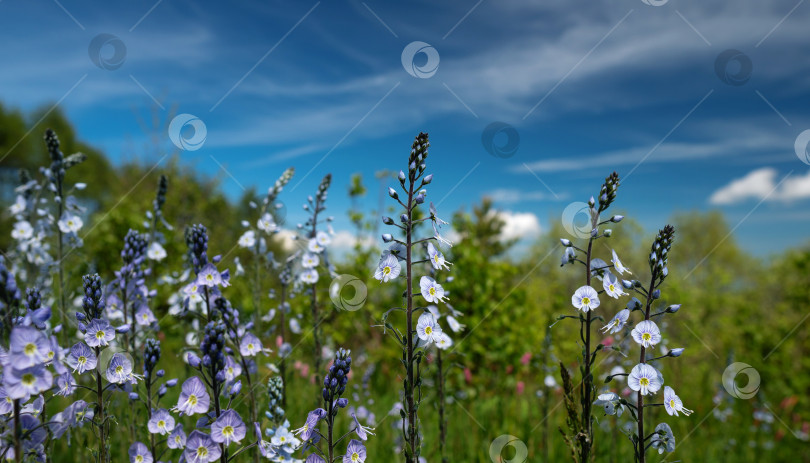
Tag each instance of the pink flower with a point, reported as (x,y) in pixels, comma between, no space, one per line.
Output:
(520,387)
(526,358)
(279,341)
(467,375)
(608,341)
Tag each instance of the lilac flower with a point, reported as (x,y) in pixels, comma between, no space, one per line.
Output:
(228,428)
(355,452)
(427,329)
(361,431)
(177,439)
(209,276)
(144,316)
(265,448)
(455,326)
(444,342)
(193,397)
(315,458)
(6,404)
(617,264)
(612,286)
(306,431)
(120,369)
(673,403)
(35,433)
(19,205)
(99,332)
(431,291)
(285,439)
(611,402)
(22,230)
(266,223)
(162,422)
(22,383)
(585,299)
(314,246)
(322,238)
(645,379)
(232,368)
(250,345)
(248,239)
(310,260)
(156,251)
(436,258)
(28,347)
(70,223)
(617,322)
(646,333)
(309,276)
(388,268)
(200,448)
(81,358)
(139,453)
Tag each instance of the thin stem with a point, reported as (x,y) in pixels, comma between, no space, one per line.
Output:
(643,359)
(587,441)
(102,428)
(442,421)
(17,433)
(282,367)
(409,389)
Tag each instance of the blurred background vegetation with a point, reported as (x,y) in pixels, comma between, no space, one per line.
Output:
(735,308)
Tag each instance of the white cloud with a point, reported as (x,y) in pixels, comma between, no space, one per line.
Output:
(345,241)
(514,195)
(519,225)
(763,184)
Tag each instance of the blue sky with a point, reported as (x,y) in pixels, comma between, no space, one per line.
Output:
(588,87)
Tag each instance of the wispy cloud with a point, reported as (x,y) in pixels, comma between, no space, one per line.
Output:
(762,184)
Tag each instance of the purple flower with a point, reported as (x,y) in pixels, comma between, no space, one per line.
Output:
(228,428)
(210,276)
(177,439)
(21,383)
(315,458)
(306,431)
(28,347)
(362,431)
(200,448)
(144,316)
(162,422)
(138,453)
(120,369)
(193,397)
(81,358)
(6,404)
(355,452)
(250,345)
(99,332)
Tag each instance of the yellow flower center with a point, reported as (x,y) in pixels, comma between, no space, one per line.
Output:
(192,399)
(586,301)
(428,330)
(612,288)
(432,291)
(282,439)
(646,336)
(672,403)
(99,334)
(227,431)
(161,424)
(250,346)
(209,277)
(119,369)
(386,270)
(355,457)
(177,439)
(82,360)
(28,379)
(644,382)
(30,349)
(139,459)
(202,451)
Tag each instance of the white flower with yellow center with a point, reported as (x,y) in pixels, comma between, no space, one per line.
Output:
(645,379)
(673,403)
(431,291)
(388,268)
(585,299)
(612,286)
(646,333)
(428,329)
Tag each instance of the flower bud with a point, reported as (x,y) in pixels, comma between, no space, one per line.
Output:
(427,179)
(676,352)
(673,308)
(388,220)
(565,242)
(392,193)
(616,218)
(387,237)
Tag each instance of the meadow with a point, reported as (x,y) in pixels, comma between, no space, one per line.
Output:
(147,317)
